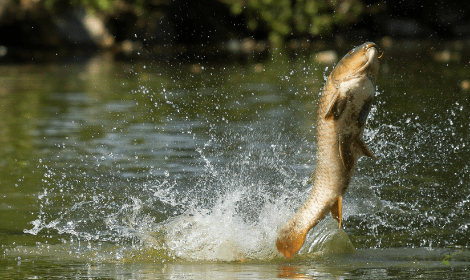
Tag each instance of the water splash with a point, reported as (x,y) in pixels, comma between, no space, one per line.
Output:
(229,212)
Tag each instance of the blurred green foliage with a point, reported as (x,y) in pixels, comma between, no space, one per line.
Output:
(280,18)
(99,5)
(296,17)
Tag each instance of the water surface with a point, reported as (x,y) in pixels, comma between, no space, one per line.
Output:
(182,170)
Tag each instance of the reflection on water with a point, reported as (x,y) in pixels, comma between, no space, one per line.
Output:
(107,167)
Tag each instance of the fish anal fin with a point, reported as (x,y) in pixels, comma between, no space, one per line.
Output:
(337,210)
(345,152)
(363,148)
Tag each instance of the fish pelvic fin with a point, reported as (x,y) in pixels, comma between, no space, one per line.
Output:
(345,152)
(363,148)
(346,143)
(337,210)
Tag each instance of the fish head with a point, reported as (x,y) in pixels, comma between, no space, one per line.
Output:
(363,60)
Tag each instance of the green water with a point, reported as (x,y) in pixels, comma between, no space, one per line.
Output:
(164,170)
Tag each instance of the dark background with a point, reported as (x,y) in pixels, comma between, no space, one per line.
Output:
(33,30)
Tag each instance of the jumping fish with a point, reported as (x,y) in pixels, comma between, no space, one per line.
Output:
(344,105)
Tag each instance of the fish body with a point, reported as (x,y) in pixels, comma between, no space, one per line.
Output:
(344,105)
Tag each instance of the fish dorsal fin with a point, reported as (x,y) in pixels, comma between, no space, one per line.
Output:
(345,152)
(336,106)
(363,148)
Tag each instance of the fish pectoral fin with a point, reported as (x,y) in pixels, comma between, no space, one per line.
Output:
(336,106)
(331,106)
(363,148)
(345,152)
(337,210)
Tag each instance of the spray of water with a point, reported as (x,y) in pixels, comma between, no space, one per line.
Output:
(230,211)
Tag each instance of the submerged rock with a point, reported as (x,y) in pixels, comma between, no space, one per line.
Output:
(327,238)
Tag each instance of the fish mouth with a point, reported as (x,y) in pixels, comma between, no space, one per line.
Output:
(368,46)
(371,51)
(373,45)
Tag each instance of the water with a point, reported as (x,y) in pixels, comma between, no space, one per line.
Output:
(182,170)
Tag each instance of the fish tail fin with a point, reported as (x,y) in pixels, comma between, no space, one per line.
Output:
(290,241)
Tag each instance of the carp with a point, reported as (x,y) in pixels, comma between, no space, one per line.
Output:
(344,105)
